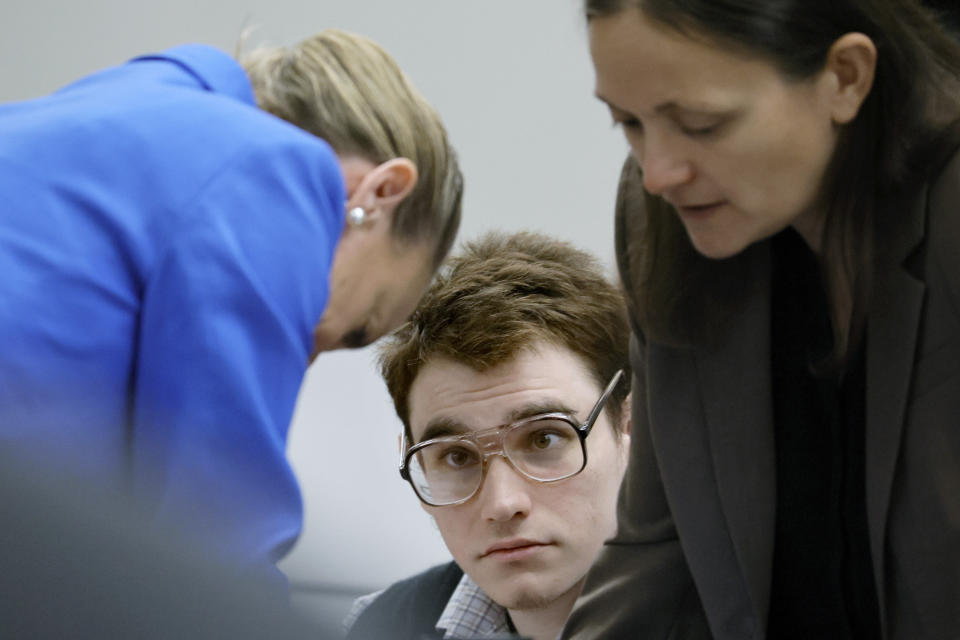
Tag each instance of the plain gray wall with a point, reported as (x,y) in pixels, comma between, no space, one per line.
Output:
(513,82)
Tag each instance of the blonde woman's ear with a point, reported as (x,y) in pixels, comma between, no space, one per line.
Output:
(391,182)
(376,189)
(357,179)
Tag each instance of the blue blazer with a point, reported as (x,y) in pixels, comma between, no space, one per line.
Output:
(165,249)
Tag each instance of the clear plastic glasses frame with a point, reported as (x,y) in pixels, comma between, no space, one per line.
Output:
(497,441)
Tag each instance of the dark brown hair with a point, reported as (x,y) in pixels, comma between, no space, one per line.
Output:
(905,128)
(499,295)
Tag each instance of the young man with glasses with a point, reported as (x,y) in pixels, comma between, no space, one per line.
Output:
(511,381)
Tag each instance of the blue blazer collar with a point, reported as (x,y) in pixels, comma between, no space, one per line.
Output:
(214,70)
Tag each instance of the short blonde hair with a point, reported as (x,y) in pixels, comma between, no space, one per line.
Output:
(346,89)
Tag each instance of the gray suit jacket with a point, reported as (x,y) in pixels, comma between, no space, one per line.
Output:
(693,554)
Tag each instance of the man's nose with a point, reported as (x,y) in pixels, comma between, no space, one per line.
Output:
(505,493)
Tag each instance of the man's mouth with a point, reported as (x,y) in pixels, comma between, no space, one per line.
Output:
(513,549)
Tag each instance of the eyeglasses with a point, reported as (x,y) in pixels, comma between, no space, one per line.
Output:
(546,447)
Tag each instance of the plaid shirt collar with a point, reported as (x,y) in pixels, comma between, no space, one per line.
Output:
(471,613)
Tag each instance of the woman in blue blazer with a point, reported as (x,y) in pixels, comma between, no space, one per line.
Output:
(179,236)
(788,232)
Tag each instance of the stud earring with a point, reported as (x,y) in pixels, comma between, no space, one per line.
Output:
(356,216)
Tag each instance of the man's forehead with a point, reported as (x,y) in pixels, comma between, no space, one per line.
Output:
(443,425)
(451,397)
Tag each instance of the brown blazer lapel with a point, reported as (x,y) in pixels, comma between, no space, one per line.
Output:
(895,313)
(735,386)
(711,423)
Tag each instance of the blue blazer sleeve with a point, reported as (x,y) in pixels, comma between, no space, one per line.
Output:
(225,334)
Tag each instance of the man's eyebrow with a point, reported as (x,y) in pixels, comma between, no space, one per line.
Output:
(541,406)
(442,426)
(445,426)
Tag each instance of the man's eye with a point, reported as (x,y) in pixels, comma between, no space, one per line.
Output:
(458,458)
(544,436)
(544,439)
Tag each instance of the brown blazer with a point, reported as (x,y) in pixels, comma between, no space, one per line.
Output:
(693,554)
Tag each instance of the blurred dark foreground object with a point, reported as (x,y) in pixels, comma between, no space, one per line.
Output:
(77,563)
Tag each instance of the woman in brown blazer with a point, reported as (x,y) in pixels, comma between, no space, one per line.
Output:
(788,232)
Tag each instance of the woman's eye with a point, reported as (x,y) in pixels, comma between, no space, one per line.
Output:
(356,338)
(698,129)
(631,124)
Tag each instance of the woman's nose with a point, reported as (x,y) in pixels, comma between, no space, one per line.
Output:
(664,165)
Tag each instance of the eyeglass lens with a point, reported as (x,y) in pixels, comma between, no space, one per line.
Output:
(449,471)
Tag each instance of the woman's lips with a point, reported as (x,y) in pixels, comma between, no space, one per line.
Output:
(699,210)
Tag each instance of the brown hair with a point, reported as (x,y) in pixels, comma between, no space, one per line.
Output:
(347,90)
(499,295)
(905,128)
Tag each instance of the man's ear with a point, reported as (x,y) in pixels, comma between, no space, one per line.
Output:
(850,67)
(626,425)
(626,415)
(384,187)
